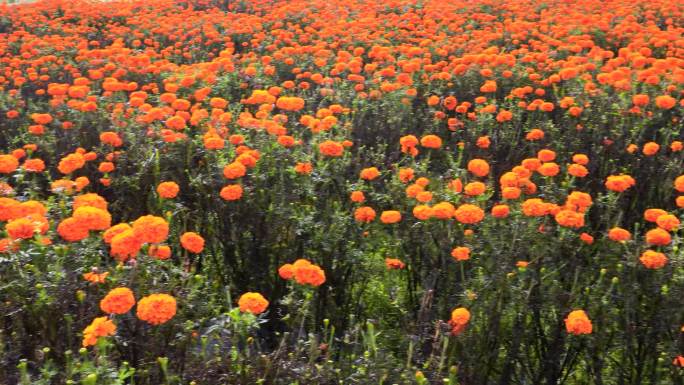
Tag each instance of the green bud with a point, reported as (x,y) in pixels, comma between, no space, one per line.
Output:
(615,280)
(80,295)
(90,379)
(603,272)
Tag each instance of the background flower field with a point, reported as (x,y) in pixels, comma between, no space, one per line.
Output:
(342,192)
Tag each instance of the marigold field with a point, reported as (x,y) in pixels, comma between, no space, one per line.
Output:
(300,192)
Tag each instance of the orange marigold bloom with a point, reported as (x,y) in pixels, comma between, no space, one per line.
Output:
(577,170)
(394,264)
(619,234)
(390,216)
(469,214)
(306,273)
(160,252)
(168,190)
(459,320)
(431,141)
(93,218)
(668,222)
(535,134)
(364,214)
(94,277)
(125,245)
(546,155)
(91,200)
(424,212)
(650,148)
(71,163)
(118,301)
(357,196)
(580,159)
(234,170)
(8,164)
(369,173)
(331,148)
(231,192)
(111,138)
(34,165)
(22,228)
(653,259)
(156,309)
(665,102)
(534,207)
(619,183)
(100,327)
(151,229)
(303,168)
(549,169)
(192,242)
(679,183)
(658,237)
(578,323)
(406,174)
(251,302)
(72,230)
(652,215)
(500,211)
(475,188)
(461,253)
(586,238)
(478,167)
(569,218)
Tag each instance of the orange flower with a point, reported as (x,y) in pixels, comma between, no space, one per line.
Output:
(423,212)
(71,163)
(679,183)
(461,253)
(91,199)
(369,173)
(653,259)
(192,242)
(658,237)
(500,211)
(100,327)
(618,234)
(71,230)
(8,164)
(125,245)
(93,218)
(668,222)
(474,188)
(578,323)
(231,192)
(569,218)
(234,170)
(650,148)
(286,271)
(304,273)
(22,228)
(619,183)
(168,190)
(331,148)
(251,302)
(94,277)
(469,214)
(357,196)
(364,214)
(549,169)
(151,229)
(118,301)
(390,216)
(460,317)
(665,102)
(394,264)
(478,167)
(156,309)
(431,141)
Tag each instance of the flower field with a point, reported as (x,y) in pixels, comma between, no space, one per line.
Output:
(342,192)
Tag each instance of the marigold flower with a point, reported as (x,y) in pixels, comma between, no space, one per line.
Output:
(118,301)
(100,327)
(94,277)
(578,323)
(394,264)
(461,253)
(431,141)
(668,222)
(546,155)
(569,218)
(665,102)
(357,196)
(619,183)
(34,165)
(369,173)
(303,168)
(156,309)
(424,212)
(390,216)
(93,218)
(364,214)
(8,164)
(168,190)
(160,252)
(459,320)
(234,170)
(331,148)
(151,229)
(679,183)
(306,273)
(125,245)
(469,214)
(91,200)
(534,207)
(192,242)
(500,211)
(231,192)
(618,234)
(658,237)
(22,228)
(549,169)
(251,302)
(478,167)
(653,259)
(72,230)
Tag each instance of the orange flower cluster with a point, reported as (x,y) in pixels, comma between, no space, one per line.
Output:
(156,309)
(578,323)
(254,303)
(303,272)
(460,317)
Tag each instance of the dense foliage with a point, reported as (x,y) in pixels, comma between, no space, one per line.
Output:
(342,192)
